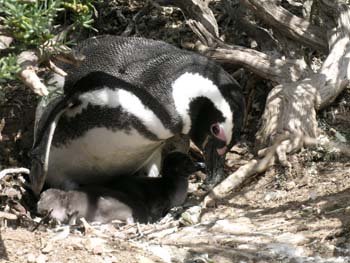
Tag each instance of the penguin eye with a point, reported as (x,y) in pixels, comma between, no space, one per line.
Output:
(218,132)
(215,129)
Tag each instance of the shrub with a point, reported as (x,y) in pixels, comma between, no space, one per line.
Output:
(34,24)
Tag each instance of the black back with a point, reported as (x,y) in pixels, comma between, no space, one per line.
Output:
(149,67)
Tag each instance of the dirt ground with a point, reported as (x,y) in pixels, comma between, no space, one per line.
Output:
(299,214)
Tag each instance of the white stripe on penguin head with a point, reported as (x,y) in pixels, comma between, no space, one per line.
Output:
(192,85)
(106,97)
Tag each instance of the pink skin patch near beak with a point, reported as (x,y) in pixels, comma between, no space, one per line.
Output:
(219,133)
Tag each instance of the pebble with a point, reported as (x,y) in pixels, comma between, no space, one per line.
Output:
(41,258)
(48,248)
(31,258)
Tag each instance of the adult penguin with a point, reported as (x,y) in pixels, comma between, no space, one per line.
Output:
(128,97)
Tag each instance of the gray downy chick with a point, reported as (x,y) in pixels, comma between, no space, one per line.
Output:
(126,198)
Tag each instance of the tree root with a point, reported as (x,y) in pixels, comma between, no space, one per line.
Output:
(256,166)
(263,65)
(293,26)
(291,107)
(234,180)
(290,111)
(28,60)
(8,171)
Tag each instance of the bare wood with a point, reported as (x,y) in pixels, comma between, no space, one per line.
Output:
(263,65)
(5,42)
(2,126)
(291,107)
(335,71)
(267,67)
(56,69)
(199,17)
(256,166)
(230,183)
(236,179)
(8,216)
(295,27)
(28,60)
(239,16)
(8,171)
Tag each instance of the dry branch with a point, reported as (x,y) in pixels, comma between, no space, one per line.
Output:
(267,67)
(199,17)
(294,27)
(291,107)
(256,166)
(5,42)
(335,71)
(28,60)
(2,126)
(263,65)
(236,179)
(233,181)
(8,171)
(8,216)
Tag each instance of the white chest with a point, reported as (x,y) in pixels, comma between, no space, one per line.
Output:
(100,153)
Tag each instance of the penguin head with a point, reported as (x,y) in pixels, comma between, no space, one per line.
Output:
(216,121)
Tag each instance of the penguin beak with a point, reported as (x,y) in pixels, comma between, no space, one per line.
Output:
(214,155)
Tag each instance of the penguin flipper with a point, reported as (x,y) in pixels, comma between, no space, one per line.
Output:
(43,135)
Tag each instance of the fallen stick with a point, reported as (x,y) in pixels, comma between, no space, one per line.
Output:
(256,166)
(8,216)
(28,62)
(8,171)
(235,179)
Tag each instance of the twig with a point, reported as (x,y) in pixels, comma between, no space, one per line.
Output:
(42,220)
(293,26)
(8,216)
(87,228)
(56,69)
(8,171)
(255,166)
(2,126)
(5,41)
(28,60)
(234,180)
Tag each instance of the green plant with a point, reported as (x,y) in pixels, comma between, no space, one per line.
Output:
(34,24)
(8,67)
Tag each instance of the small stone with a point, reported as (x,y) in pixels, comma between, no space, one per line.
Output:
(98,250)
(8,216)
(47,249)
(236,226)
(95,245)
(31,258)
(191,216)
(41,258)
(290,185)
(347,210)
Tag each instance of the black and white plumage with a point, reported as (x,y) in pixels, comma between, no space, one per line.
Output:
(128,198)
(123,102)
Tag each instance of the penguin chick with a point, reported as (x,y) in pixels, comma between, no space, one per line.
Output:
(126,198)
